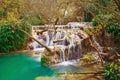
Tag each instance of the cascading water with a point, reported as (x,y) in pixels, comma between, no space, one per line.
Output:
(69,41)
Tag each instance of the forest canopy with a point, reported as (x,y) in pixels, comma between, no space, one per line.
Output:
(103,13)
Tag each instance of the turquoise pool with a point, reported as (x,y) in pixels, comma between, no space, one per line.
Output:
(22,67)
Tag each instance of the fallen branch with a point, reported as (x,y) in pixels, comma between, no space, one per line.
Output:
(117,2)
(97,52)
(40,32)
(60,40)
(46,47)
(116,14)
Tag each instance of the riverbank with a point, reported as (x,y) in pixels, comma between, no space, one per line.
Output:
(74,77)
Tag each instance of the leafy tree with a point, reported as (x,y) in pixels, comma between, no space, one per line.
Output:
(11,38)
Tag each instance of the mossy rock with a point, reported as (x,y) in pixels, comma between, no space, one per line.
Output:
(94,30)
(87,59)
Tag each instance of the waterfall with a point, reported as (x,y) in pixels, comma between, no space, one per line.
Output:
(69,40)
(63,55)
(47,39)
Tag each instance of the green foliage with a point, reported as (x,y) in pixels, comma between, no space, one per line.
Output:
(86,59)
(110,24)
(87,17)
(3,14)
(7,6)
(94,30)
(94,22)
(97,23)
(102,19)
(19,8)
(43,60)
(11,38)
(97,19)
(114,29)
(36,21)
(111,71)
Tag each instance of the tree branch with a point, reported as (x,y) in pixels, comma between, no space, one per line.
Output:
(97,52)
(47,48)
(116,14)
(117,2)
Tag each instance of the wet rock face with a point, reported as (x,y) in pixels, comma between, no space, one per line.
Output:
(86,46)
(52,57)
(108,46)
(72,44)
(105,46)
(66,42)
(59,54)
(66,45)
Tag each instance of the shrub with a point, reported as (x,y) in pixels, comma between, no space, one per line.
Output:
(36,20)
(86,59)
(43,60)
(11,39)
(114,30)
(102,19)
(111,71)
(94,30)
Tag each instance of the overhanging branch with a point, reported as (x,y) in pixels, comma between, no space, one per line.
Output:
(46,47)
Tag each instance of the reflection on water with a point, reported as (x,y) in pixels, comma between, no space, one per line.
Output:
(21,67)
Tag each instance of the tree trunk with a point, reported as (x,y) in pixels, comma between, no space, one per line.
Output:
(47,48)
(97,52)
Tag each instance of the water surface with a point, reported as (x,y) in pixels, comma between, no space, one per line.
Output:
(22,67)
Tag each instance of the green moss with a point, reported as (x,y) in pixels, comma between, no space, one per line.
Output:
(94,30)
(43,60)
(86,59)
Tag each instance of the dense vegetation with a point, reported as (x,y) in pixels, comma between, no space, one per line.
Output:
(15,15)
(21,14)
(114,29)
(112,71)
(11,38)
